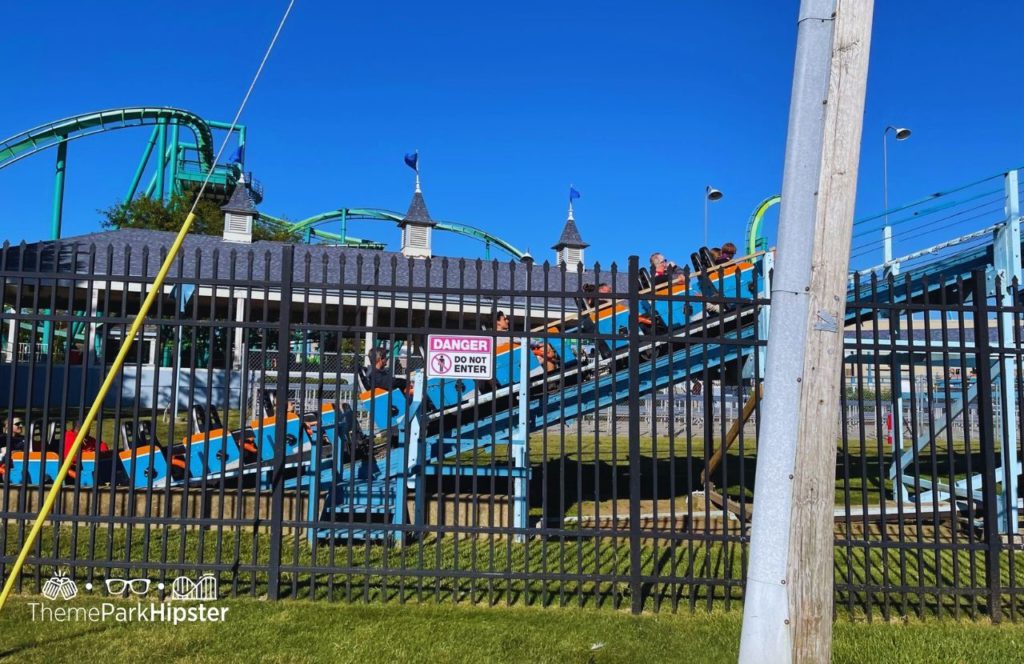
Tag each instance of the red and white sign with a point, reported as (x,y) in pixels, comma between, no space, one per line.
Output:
(460,356)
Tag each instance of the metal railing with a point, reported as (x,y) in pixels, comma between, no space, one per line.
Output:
(633,486)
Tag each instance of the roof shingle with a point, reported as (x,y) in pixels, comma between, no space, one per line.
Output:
(570,237)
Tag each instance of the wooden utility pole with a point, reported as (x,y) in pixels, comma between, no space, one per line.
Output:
(788,611)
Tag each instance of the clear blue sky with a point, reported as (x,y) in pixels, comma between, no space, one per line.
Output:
(640,105)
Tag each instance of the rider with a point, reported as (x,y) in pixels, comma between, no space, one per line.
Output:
(663,270)
(380,378)
(728,252)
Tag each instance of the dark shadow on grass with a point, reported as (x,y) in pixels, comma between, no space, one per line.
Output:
(46,643)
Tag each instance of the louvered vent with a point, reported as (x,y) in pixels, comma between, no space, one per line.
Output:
(417,237)
(570,257)
(237,227)
(237,223)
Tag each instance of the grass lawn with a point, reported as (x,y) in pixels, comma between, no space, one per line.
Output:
(297,631)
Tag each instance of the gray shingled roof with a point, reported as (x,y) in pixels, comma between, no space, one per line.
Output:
(570,237)
(322,267)
(417,212)
(241,201)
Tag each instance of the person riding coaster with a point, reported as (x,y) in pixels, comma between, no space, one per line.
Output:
(672,300)
(679,298)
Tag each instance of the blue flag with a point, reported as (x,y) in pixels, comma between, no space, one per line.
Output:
(238,156)
(573,194)
(413,161)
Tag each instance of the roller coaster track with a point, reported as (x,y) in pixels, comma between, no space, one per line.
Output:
(374,214)
(50,135)
(53,134)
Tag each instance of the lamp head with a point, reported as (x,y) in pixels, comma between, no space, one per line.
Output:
(712,193)
(901,133)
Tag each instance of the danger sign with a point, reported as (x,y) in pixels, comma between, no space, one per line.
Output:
(460,356)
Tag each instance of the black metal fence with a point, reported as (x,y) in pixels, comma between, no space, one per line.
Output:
(242,441)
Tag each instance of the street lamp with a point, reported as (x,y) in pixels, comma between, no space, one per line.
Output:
(710,194)
(895,376)
(901,134)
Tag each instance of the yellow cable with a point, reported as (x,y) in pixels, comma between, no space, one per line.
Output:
(137,324)
(69,460)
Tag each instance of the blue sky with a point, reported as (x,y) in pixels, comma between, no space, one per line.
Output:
(639,105)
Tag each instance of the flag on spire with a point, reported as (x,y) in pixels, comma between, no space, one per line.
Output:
(412,160)
(573,195)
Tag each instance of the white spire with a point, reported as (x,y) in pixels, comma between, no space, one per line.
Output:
(570,218)
(418,191)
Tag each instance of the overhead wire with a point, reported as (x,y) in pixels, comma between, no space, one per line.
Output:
(931,226)
(933,197)
(997,196)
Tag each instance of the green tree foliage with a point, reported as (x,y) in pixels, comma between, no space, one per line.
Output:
(153,214)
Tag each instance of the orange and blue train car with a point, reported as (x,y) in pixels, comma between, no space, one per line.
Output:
(33,466)
(676,303)
(211,454)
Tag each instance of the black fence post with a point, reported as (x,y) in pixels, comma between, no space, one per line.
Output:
(281,430)
(635,557)
(986,424)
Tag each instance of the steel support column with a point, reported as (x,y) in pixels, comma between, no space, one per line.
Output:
(173,171)
(142,165)
(520,505)
(58,188)
(896,376)
(1007,264)
(161,159)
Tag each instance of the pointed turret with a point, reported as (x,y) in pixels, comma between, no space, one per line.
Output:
(239,214)
(416,225)
(570,246)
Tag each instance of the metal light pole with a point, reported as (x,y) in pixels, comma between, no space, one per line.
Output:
(710,194)
(902,134)
(892,269)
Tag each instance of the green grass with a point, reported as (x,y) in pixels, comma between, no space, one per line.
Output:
(312,632)
(868,464)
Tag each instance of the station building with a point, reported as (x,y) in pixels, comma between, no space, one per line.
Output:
(99,281)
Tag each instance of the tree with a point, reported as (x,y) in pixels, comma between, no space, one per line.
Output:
(154,214)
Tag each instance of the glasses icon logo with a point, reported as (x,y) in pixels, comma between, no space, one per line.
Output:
(136,586)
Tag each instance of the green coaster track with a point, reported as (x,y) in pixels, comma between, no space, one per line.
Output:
(181,164)
(308,227)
